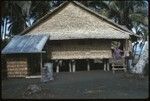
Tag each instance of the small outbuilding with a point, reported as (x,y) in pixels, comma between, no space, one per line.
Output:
(24,55)
(69,32)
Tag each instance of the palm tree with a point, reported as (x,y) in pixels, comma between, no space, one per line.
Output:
(19,13)
(123,10)
(14,14)
(126,13)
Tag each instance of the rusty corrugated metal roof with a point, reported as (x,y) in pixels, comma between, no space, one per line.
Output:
(26,44)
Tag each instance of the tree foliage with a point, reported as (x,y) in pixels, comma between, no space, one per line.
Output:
(129,13)
(16,15)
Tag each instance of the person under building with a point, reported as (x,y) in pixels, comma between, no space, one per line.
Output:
(117,53)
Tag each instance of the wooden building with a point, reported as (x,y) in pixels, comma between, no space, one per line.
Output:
(23,55)
(72,32)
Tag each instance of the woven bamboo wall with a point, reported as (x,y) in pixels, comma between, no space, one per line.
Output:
(79,49)
(17,67)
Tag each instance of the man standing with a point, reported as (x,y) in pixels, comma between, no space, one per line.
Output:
(139,67)
(137,50)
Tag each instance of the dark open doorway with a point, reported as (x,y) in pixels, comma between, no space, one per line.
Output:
(34,64)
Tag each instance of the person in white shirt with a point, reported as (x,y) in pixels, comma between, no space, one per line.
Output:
(142,65)
(137,49)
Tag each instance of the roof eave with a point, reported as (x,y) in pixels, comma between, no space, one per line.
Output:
(5,53)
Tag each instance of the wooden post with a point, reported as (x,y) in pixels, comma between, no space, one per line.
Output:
(104,65)
(41,64)
(108,65)
(127,46)
(127,51)
(57,67)
(69,66)
(88,65)
(124,47)
(113,69)
(73,66)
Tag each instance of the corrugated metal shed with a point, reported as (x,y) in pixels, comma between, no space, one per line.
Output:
(26,44)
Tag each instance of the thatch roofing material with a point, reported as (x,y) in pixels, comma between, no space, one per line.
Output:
(79,49)
(83,34)
(101,54)
(26,44)
(74,21)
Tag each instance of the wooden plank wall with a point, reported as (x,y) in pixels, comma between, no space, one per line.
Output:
(17,67)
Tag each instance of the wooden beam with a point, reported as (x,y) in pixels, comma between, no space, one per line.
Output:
(36,76)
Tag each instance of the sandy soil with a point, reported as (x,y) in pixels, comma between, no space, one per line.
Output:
(96,84)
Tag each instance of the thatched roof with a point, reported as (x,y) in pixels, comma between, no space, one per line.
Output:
(72,20)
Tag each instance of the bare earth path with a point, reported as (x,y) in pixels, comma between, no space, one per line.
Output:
(95,84)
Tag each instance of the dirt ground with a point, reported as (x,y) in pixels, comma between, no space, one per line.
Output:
(96,84)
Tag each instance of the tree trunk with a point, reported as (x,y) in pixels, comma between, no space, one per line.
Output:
(139,67)
(5,28)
